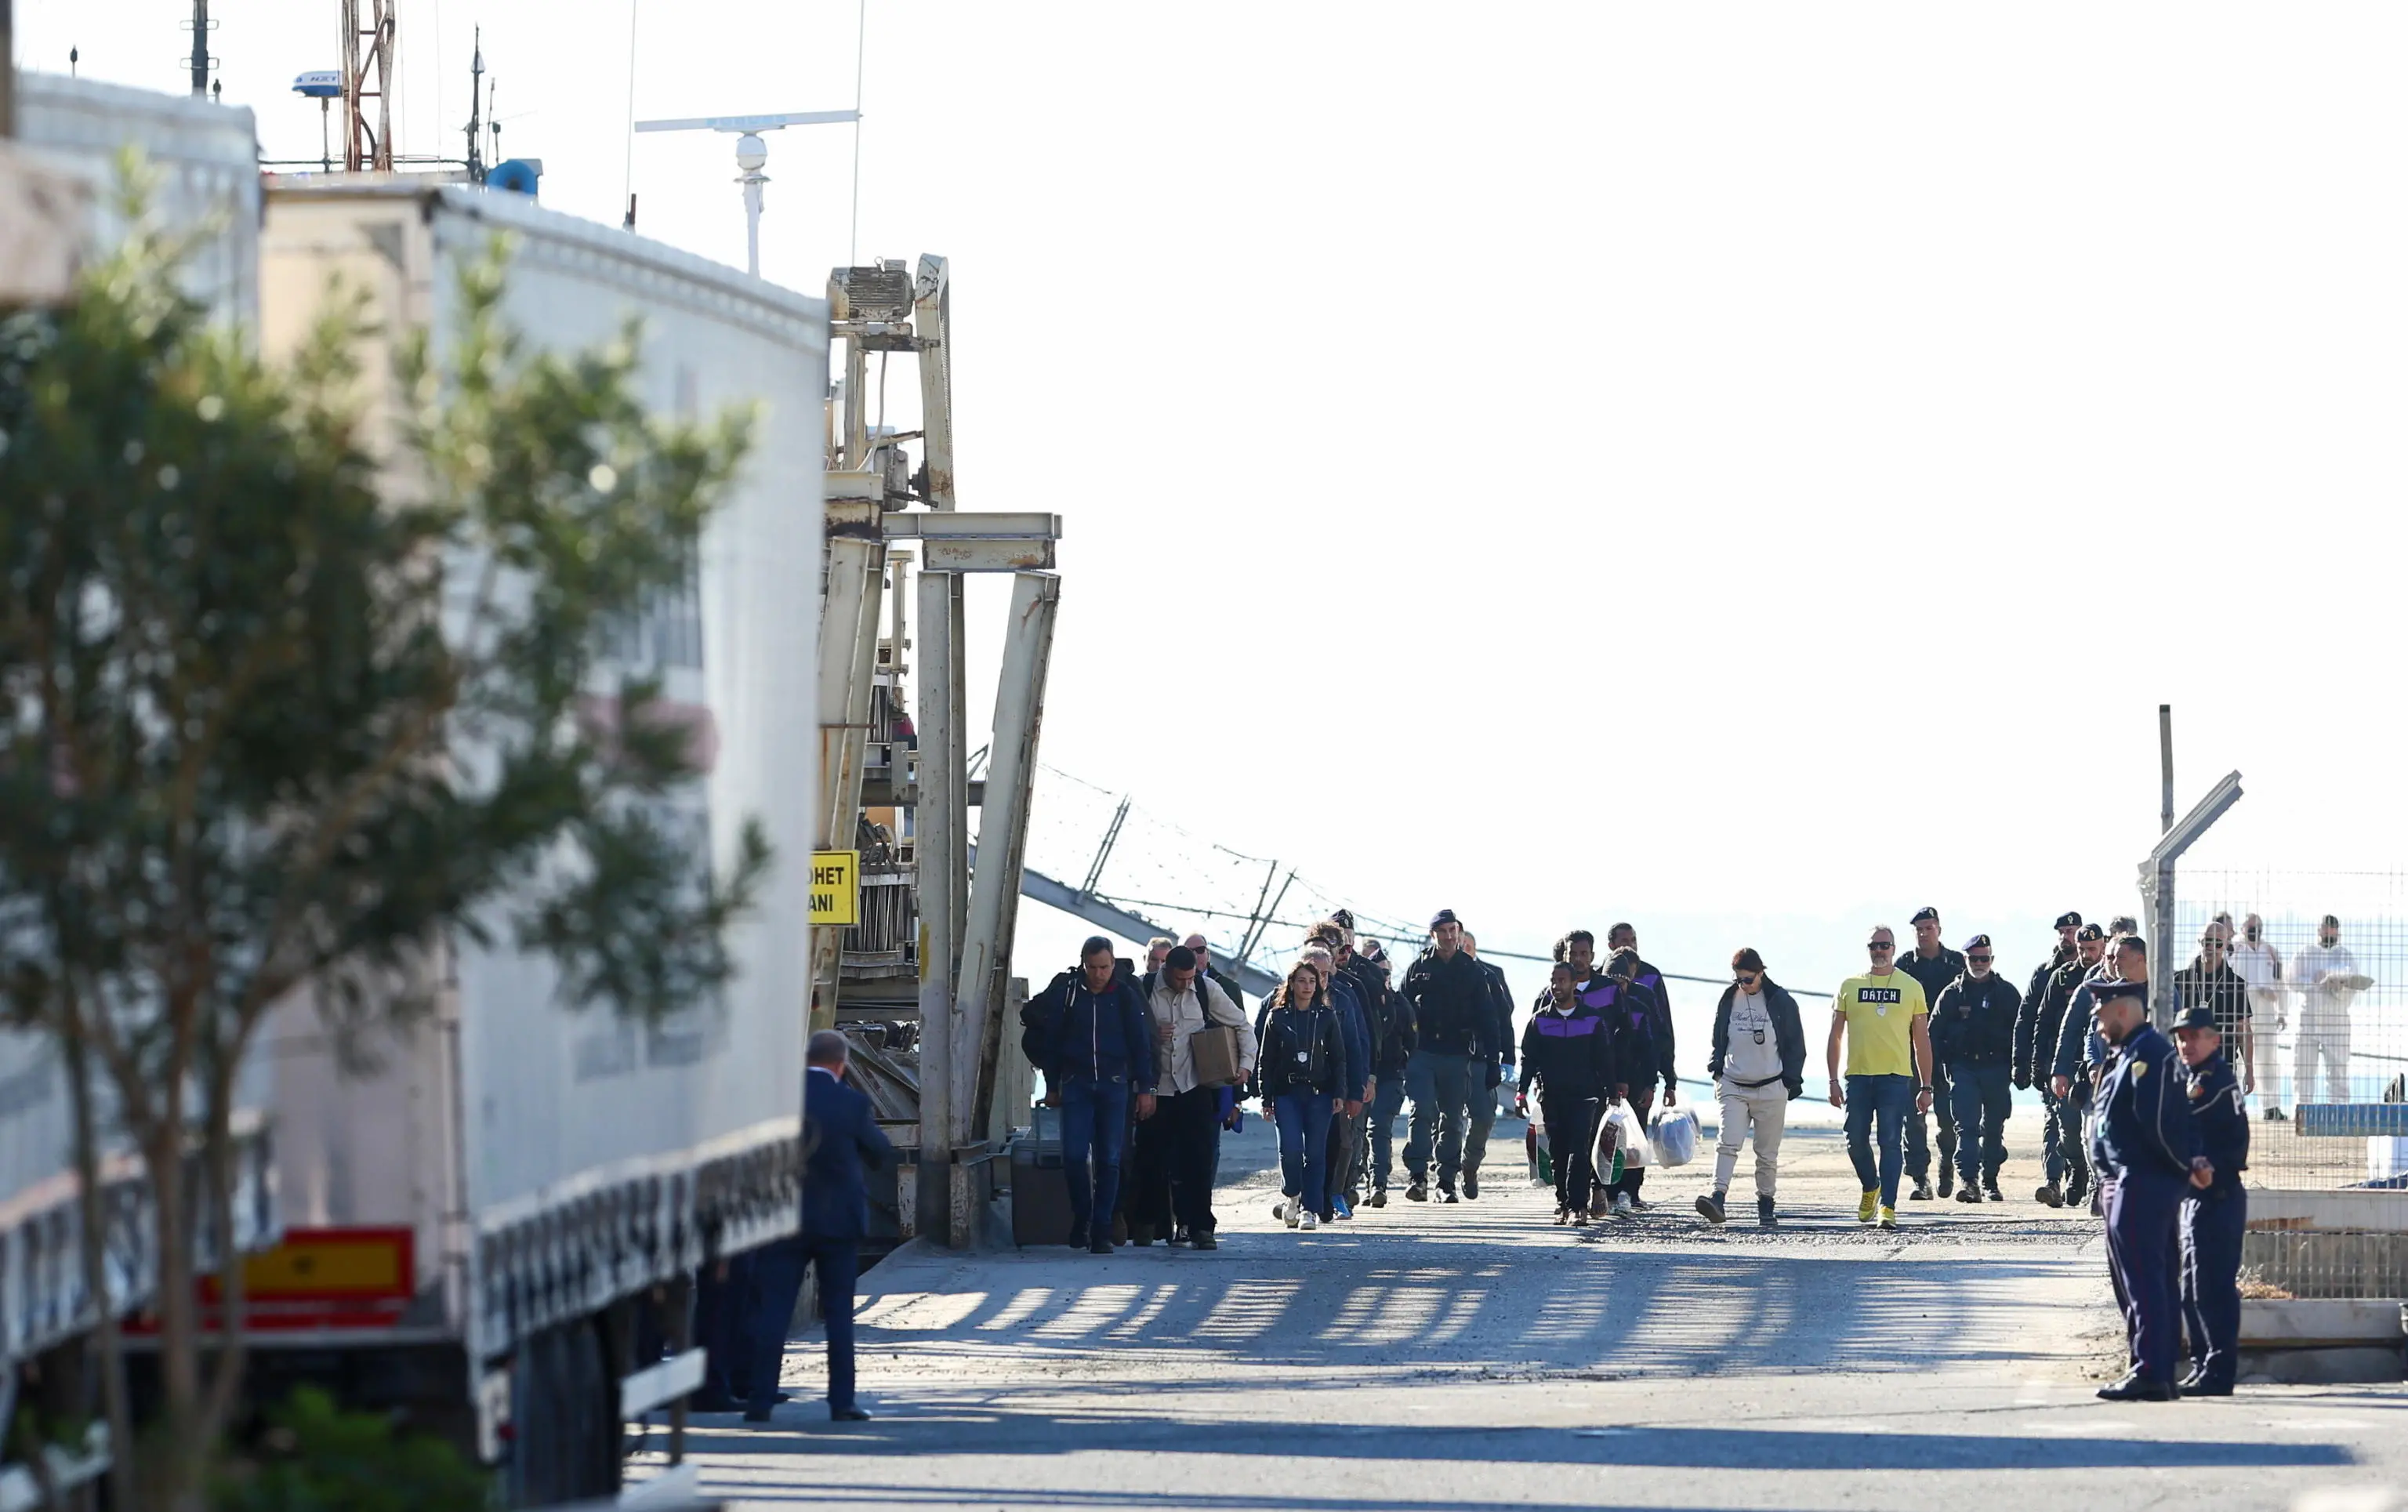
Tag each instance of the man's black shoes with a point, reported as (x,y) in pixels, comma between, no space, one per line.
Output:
(1471,1186)
(847,1415)
(1078,1236)
(1202,1239)
(2199,1383)
(2134,1387)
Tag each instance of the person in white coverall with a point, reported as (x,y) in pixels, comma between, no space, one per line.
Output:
(2325,975)
(2259,965)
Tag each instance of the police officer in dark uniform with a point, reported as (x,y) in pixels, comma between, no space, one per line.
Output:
(2213,1217)
(2144,1149)
(1933,966)
(2036,1044)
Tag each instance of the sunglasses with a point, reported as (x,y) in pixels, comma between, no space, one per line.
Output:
(1747,978)
(1979,960)
(1877,946)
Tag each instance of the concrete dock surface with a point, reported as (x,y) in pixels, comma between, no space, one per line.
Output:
(1476,1358)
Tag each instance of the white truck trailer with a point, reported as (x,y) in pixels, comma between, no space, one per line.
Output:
(203,160)
(491,1228)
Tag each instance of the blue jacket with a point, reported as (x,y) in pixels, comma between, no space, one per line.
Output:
(1092,1037)
(839,1132)
(1353,1033)
(2143,1125)
(2223,1123)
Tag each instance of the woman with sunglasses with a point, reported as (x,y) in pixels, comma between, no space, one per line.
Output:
(1759,1065)
(1297,1073)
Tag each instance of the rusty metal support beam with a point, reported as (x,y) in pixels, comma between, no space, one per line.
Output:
(932,318)
(1003,831)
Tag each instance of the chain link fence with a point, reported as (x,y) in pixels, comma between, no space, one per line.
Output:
(2324,956)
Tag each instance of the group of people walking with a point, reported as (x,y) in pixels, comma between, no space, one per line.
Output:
(1334,1051)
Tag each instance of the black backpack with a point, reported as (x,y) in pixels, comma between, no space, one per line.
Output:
(1040,1020)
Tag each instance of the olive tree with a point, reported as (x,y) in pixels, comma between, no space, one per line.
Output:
(246,635)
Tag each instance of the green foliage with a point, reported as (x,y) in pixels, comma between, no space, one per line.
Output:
(277,710)
(316,1458)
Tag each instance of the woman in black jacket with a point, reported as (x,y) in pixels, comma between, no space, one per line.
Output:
(1759,1065)
(1298,1073)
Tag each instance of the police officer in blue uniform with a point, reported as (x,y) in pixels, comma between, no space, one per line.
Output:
(2213,1216)
(2144,1148)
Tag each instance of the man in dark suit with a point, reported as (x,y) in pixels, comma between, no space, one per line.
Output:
(839,1132)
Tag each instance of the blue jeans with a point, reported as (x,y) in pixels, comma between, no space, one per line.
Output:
(1888,1098)
(1386,1103)
(1303,1119)
(1094,1116)
(1979,1097)
(1439,1085)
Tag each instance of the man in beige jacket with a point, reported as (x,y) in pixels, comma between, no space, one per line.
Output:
(1177,1146)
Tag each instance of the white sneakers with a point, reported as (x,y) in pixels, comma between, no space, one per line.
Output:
(1622,1203)
(1292,1210)
(1311,1220)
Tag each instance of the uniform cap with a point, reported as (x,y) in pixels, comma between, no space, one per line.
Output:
(2199,1016)
(1927,911)
(2068,920)
(2109,992)
(1444,915)
(1979,942)
(2089,933)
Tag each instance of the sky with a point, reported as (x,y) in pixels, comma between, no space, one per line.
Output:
(1751,470)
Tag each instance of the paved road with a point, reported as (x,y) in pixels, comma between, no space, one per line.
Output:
(1475,1357)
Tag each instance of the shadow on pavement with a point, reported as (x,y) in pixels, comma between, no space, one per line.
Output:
(1007,1433)
(1185,1317)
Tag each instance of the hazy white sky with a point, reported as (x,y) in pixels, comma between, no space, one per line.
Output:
(1749,469)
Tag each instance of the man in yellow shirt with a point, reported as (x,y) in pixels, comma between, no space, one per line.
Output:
(1882,1016)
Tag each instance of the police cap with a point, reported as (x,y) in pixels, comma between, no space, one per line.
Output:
(2068,920)
(2198,1015)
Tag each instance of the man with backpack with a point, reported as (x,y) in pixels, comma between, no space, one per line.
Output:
(1090,1033)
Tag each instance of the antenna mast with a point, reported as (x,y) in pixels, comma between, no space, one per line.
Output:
(367,48)
(476,110)
(200,48)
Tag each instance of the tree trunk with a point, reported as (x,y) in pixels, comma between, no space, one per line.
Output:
(174,1476)
(218,1161)
(93,1213)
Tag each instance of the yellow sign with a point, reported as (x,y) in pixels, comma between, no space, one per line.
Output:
(836,887)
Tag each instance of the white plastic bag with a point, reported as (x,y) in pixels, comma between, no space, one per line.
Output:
(1674,1133)
(1628,1137)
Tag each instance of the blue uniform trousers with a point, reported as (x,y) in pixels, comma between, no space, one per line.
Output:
(1387,1100)
(2143,1212)
(1979,1100)
(2064,1149)
(1438,1086)
(719,1315)
(2212,1225)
